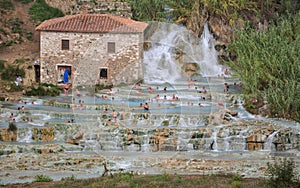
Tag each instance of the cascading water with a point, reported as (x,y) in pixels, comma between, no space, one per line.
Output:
(159,64)
(172,46)
(162,138)
(268,143)
(27,138)
(209,62)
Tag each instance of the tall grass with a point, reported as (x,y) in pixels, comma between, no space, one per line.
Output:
(269,66)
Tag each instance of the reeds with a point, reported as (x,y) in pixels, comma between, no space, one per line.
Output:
(269,66)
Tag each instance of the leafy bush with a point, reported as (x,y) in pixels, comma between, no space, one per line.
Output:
(3,31)
(10,73)
(126,177)
(25,1)
(235,181)
(99,87)
(71,178)
(16,25)
(41,11)
(2,64)
(42,178)
(43,90)
(236,184)
(7,43)
(282,174)
(12,126)
(14,88)
(21,61)
(29,35)
(6,4)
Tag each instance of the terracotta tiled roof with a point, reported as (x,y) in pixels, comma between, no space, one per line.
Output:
(92,23)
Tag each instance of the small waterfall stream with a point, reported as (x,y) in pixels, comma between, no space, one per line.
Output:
(268,143)
(172,47)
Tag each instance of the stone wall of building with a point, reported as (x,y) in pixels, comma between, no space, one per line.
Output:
(88,53)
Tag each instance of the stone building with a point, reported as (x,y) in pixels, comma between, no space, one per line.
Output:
(94,48)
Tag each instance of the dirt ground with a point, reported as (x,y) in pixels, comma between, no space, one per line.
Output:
(28,48)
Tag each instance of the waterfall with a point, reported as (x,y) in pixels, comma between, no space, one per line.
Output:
(27,138)
(214,143)
(159,64)
(172,46)
(268,143)
(209,63)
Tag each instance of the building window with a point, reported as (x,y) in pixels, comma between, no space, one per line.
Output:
(103,73)
(111,47)
(65,44)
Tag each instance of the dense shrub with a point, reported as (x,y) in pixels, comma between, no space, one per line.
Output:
(3,31)
(42,178)
(25,1)
(41,11)
(268,65)
(29,35)
(16,27)
(10,73)
(14,88)
(6,5)
(71,178)
(16,24)
(12,126)
(7,43)
(282,174)
(99,87)
(43,90)
(21,60)
(2,64)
